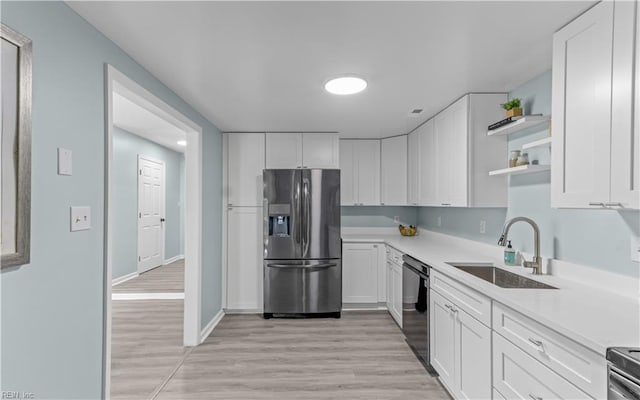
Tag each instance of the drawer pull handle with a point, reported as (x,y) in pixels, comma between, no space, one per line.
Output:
(535,397)
(596,204)
(536,342)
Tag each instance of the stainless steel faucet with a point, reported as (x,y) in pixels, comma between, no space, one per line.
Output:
(536,263)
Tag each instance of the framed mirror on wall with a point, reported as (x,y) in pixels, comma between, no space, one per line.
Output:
(15,149)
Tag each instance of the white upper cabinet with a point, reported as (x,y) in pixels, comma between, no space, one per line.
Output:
(393,182)
(320,150)
(413,165)
(625,121)
(283,150)
(593,163)
(245,162)
(301,150)
(360,172)
(428,164)
(464,155)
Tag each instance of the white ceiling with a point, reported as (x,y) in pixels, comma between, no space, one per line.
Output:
(260,66)
(131,117)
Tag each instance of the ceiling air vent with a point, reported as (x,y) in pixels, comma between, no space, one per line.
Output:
(416,111)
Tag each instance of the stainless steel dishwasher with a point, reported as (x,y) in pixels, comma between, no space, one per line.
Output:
(623,373)
(415,308)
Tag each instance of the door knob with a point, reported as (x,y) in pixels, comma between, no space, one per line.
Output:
(161,219)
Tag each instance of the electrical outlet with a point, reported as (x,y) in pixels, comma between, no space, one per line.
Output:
(439,221)
(483,226)
(635,248)
(396,219)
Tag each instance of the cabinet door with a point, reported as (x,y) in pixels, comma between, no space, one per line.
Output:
(443,126)
(283,150)
(244,258)
(397,293)
(428,164)
(359,273)
(457,153)
(245,162)
(393,171)
(413,172)
(368,171)
(442,338)
(625,136)
(473,356)
(320,150)
(389,288)
(581,89)
(347,173)
(518,376)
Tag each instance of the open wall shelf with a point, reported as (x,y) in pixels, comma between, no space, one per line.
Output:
(523,123)
(521,170)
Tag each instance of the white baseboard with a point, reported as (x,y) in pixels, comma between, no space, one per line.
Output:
(364,306)
(242,311)
(204,334)
(173,259)
(148,296)
(124,278)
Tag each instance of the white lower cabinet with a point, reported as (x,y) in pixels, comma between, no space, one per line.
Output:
(244,258)
(360,265)
(460,349)
(394,284)
(516,375)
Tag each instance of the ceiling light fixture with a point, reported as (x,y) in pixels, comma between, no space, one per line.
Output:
(181,142)
(345,85)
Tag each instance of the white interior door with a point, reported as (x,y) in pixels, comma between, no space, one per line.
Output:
(150,213)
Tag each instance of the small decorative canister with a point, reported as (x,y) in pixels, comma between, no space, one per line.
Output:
(513,160)
(523,159)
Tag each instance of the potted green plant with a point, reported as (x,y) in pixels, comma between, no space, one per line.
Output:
(513,107)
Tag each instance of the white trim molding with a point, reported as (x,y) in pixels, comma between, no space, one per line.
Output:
(124,278)
(173,259)
(204,334)
(148,296)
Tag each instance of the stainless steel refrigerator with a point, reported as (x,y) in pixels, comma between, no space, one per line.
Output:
(302,245)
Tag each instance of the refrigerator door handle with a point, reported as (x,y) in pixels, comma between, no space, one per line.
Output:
(296,212)
(305,216)
(305,266)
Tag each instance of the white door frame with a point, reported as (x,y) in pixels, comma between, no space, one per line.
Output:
(163,207)
(115,79)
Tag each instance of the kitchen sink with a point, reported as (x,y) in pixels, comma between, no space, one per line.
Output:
(500,277)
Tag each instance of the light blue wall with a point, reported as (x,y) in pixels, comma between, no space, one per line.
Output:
(598,238)
(126,147)
(376,216)
(52,319)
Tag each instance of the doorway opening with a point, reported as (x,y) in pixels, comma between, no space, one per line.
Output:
(153,197)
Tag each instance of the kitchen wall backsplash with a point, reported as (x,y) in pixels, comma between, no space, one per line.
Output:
(377,217)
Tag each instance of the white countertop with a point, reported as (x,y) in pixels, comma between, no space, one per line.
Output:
(596,319)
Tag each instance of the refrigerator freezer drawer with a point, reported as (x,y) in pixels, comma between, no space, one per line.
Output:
(302,286)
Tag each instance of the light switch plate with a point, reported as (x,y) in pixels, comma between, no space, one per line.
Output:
(80,218)
(439,221)
(483,226)
(396,219)
(635,248)
(65,161)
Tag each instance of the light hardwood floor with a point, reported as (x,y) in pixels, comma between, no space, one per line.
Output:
(164,279)
(146,346)
(361,356)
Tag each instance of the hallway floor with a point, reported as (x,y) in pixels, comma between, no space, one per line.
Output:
(163,279)
(363,355)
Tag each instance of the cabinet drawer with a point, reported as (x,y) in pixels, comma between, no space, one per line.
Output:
(577,364)
(394,255)
(516,375)
(474,303)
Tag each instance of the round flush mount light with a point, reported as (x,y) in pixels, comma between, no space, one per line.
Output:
(345,85)
(181,142)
